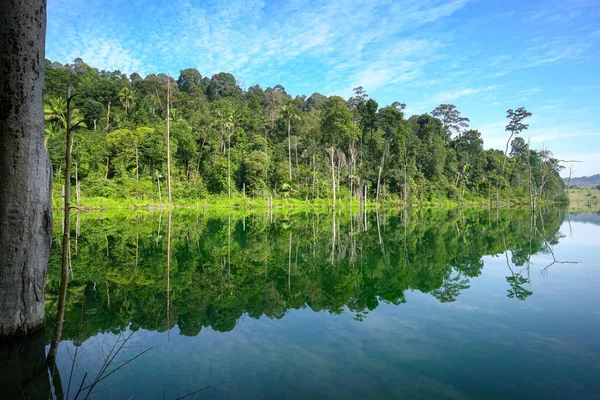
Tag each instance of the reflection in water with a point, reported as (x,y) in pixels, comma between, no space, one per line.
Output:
(23,371)
(210,270)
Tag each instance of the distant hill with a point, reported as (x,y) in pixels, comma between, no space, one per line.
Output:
(586,217)
(585,181)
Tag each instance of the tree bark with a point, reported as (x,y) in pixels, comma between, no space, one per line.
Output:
(25,170)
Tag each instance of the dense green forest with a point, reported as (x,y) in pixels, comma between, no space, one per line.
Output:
(156,270)
(255,142)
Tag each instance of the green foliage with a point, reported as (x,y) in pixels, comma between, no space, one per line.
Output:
(274,144)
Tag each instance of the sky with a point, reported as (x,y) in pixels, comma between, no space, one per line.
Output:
(484,56)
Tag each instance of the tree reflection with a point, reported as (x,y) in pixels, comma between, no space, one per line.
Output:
(221,267)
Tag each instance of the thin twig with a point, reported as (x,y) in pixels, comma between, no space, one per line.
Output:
(189,394)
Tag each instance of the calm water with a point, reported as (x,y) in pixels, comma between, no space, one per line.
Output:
(433,304)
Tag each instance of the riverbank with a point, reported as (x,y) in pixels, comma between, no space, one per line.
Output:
(267,203)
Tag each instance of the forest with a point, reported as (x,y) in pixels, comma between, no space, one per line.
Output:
(229,142)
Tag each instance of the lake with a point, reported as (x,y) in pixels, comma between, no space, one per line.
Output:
(434,303)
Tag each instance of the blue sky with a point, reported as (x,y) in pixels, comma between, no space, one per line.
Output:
(483,56)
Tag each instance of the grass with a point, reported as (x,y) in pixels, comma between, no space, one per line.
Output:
(584,199)
(238,202)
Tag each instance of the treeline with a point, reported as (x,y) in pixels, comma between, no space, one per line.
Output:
(157,270)
(263,142)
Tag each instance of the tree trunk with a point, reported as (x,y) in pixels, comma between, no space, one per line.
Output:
(290,146)
(332,178)
(168,141)
(108,117)
(66,243)
(405,178)
(503,167)
(379,174)
(25,170)
(137,164)
(228,163)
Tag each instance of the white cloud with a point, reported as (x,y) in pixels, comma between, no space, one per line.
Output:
(451,96)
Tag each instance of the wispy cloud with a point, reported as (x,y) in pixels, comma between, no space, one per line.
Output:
(483,56)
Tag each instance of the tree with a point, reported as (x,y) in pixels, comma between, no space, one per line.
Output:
(25,170)
(56,111)
(515,127)
(337,129)
(354,102)
(314,101)
(126,98)
(222,84)
(225,120)
(290,113)
(188,79)
(368,117)
(470,156)
(453,123)
(255,170)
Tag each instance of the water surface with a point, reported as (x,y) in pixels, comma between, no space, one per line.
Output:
(460,304)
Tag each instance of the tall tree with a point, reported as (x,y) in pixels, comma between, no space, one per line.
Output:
(169,198)
(515,127)
(126,98)
(290,113)
(337,128)
(25,170)
(225,121)
(453,123)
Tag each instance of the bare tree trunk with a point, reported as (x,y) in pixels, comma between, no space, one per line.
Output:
(297,167)
(332,178)
(290,146)
(405,177)
(290,262)
(106,173)
(169,140)
(229,162)
(159,193)
(169,273)
(66,242)
(108,116)
(379,174)
(333,237)
(77,192)
(569,181)
(25,170)
(314,176)
(137,164)
(503,167)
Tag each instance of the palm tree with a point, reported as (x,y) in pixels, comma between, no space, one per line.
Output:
(126,98)
(56,111)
